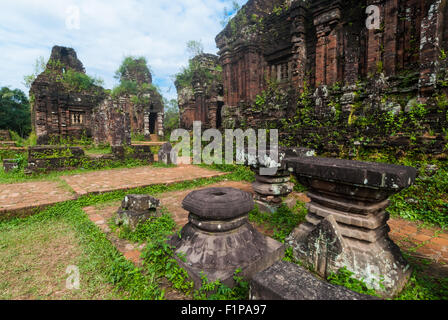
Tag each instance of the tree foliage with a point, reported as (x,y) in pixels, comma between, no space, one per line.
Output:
(15,111)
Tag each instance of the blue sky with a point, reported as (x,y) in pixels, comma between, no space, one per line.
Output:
(105,33)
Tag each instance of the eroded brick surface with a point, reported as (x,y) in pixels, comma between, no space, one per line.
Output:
(123,179)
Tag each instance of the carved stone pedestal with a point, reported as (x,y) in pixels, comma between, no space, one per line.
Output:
(272,177)
(219,239)
(347,223)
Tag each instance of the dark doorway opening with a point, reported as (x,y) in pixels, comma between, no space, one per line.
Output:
(152,123)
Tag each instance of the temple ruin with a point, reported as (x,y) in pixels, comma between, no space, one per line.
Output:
(67,104)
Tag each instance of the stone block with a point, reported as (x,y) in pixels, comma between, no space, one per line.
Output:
(165,154)
(10,165)
(219,239)
(288,281)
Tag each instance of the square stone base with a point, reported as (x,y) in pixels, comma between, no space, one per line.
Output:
(274,251)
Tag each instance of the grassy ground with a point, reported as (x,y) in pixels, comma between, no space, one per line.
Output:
(34,253)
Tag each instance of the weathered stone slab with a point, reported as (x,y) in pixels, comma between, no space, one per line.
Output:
(288,281)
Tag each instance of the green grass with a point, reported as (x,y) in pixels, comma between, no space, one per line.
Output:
(33,260)
(18,176)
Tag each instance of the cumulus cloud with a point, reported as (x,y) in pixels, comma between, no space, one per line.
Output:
(108,31)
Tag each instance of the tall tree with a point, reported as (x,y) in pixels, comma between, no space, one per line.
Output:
(171,119)
(15,112)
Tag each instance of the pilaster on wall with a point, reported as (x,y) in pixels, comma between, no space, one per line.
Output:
(430,48)
(326,20)
(160,129)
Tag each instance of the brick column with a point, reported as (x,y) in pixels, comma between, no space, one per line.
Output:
(298,69)
(325,22)
(390,36)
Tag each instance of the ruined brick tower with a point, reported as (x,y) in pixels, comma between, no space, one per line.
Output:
(67,103)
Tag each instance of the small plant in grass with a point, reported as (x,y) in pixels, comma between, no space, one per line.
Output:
(153,228)
(158,257)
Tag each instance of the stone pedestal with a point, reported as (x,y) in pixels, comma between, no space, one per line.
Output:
(137,209)
(10,165)
(219,239)
(165,154)
(347,223)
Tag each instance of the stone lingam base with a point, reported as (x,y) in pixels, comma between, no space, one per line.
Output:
(219,239)
(346,225)
(137,208)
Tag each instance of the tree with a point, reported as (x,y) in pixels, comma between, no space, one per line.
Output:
(228,14)
(171,121)
(15,112)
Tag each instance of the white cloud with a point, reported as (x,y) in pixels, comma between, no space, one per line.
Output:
(109,30)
